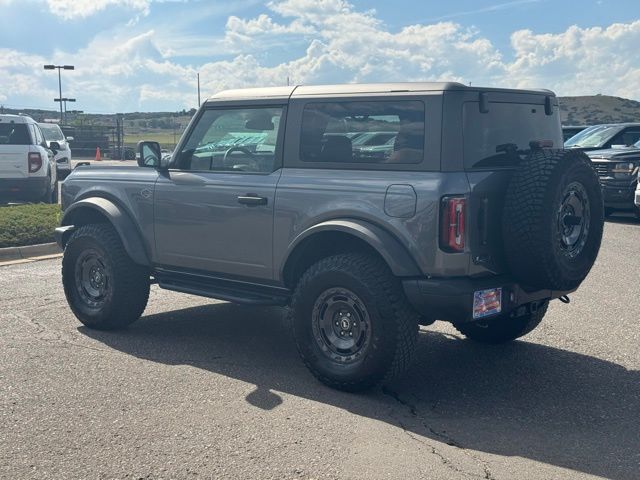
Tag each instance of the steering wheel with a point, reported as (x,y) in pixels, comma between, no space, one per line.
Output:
(150,160)
(245,150)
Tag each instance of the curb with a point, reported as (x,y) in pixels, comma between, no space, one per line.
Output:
(29,251)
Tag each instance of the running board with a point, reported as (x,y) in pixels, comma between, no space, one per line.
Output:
(229,290)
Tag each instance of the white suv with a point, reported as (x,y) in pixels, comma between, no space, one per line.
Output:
(27,166)
(53,134)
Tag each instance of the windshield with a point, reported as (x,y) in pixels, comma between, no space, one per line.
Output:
(595,136)
(52,133)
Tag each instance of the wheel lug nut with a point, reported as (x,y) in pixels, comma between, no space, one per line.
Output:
(348,314)
(351,334)
(337,323)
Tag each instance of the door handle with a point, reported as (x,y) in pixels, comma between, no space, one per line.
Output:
(252,200)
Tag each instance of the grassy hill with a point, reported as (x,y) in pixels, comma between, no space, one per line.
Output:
(594,109)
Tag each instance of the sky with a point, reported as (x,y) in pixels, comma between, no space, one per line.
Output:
(144,55)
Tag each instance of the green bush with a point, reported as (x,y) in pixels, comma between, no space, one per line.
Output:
(28,224)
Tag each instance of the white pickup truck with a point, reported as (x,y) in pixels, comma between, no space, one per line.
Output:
(27,166)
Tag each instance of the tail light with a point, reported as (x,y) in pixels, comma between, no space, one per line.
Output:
(35,162)
(453,222)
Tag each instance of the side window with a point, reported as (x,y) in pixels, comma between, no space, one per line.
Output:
(32,132)
(628,138)
(39,138)
(363,132)
(234,139)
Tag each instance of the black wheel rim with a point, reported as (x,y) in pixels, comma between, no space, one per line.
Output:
(341,325)
(574,217)
(92,278)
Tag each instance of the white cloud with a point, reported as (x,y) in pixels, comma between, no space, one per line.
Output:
(579,60)
(69,9)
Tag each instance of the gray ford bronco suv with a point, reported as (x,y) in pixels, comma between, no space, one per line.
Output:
(468,215)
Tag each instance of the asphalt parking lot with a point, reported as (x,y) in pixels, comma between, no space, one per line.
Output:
(202,389)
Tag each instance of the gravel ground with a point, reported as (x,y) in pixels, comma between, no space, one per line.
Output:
(204,389)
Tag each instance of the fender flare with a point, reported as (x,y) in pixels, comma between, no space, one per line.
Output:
(121,221)
(389,247)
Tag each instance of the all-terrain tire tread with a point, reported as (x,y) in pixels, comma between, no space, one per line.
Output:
(503,329)
(131,283)
(526,209)
(392,303)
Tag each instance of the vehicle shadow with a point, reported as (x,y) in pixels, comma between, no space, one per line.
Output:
(524,399)
(624,219)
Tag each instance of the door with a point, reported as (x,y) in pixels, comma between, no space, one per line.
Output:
(214,207)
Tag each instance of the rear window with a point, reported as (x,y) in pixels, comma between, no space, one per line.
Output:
(492,138)
(52,133)
(14,134)
(363,132)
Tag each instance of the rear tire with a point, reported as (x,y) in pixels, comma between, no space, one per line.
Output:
(48,196)
(352,323)
(105,289)
(502,329)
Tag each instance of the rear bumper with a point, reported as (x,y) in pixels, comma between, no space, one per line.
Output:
(23,188)
(619,197)
(451,299)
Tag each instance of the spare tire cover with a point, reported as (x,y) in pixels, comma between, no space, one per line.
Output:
(553,219)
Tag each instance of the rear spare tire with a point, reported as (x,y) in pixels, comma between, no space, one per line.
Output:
(553,219)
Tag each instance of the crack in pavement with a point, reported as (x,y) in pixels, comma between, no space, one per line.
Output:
(413,410)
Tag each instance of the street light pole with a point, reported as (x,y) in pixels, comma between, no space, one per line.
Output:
(198,90)
(64,100)
(60,67)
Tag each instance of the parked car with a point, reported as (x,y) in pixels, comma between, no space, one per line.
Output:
(473,219)
(27,165)
(618,172)
(569,131)
(372,153)
(53,133)
(598,137)
(637,201)
(372,139)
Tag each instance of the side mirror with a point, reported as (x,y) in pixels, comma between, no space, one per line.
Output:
(69,139)
(149,154)
(55,146)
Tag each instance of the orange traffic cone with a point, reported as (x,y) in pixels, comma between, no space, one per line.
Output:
(98,157)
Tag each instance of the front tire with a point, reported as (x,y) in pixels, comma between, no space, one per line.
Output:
(352,323)
(503,329)
(105,289)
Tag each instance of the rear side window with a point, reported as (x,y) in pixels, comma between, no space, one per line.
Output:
(491,139)
(363,132)
(628,138)
(14,134)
